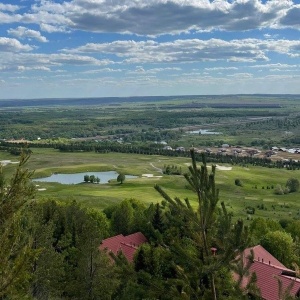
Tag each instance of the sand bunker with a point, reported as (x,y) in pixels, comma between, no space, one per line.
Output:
(150,176)
(222,168)
(43,189)
(8,161)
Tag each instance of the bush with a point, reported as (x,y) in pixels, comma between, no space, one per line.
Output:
(292,184)
(278,190)
(238,182)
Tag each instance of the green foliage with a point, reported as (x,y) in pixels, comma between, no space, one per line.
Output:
(190,236)
(15,251)
(121,178)
(238,182)
(86,178)
(128,216)
(293,185)
(122,218)
(259,227)
(280,244)
(91,179)
(172,170)
(157,219)
(68,238)
(278,190)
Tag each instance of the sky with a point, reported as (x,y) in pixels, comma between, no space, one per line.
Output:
(103,48)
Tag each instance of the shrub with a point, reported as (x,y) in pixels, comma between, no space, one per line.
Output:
(238,182)
(292,184)
(278,190)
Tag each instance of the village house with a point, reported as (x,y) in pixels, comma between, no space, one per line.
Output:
(127,245)
(268,272)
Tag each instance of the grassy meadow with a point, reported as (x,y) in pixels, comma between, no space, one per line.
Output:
(256,191)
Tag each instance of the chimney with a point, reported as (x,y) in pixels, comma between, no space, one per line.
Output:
(262,260)
(213,251)
(269,263)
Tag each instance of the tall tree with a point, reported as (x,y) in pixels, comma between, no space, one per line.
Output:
(15,250)
(121,178)
(122,218)
(206,240)
(281,245)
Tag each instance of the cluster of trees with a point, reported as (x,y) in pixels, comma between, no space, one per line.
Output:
(172,170)
(292,185)
(91,178)
(50,250)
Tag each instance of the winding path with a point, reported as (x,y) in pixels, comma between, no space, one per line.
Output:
(157,169)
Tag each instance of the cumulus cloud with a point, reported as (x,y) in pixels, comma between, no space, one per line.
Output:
(191,50)
(33,61)
(141,70)
(9,7)
(52,28)
(221,69)
(277,65)
(157,17)
(241,75)
(23,32)
(12,45)
(6,18)
(291,18)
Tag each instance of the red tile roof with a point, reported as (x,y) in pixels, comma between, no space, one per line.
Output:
(266,267)
(126,244)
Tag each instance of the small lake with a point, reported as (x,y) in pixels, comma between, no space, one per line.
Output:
(78,177)
(204,131)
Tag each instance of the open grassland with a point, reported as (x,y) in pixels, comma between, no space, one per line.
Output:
(257,190)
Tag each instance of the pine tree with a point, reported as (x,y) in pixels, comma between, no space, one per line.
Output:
(15,251)
(157,220)
(204,241)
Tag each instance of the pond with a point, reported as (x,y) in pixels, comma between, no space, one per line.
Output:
(78,177)
(204,131)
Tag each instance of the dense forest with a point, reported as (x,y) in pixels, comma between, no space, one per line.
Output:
(253,120)
(50,250)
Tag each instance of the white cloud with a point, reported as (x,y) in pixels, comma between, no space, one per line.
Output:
(292,17)
(277,65)
(241,75)
(221,68)
(104,70)
(9,7)
(41,68)
(52,28)
(6,18)
(141,70)
(33,61)
(157,17)
(23,32)
(192,50)
(12,45)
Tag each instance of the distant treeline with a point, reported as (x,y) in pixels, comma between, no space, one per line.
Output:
(52,102)
(106,147)
(225,105)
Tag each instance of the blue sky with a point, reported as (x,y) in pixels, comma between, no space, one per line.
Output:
(97,48)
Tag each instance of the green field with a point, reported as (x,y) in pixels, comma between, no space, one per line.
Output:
(256,191)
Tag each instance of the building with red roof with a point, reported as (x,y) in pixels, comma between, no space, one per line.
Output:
(268,271)
(125,244)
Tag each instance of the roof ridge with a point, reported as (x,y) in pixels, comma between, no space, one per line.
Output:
(129,245)
(274,266)
(113,237)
